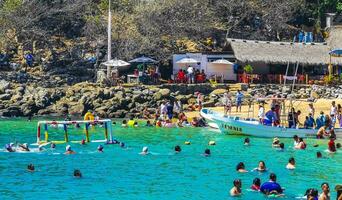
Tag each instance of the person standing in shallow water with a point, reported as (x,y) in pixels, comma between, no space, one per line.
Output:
(325,195)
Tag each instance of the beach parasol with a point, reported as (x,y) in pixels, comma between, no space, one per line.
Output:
(143,59)
(222,62)
(187,61)
(116,63)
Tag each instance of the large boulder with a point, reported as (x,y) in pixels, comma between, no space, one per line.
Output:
(5,96)
(4,85)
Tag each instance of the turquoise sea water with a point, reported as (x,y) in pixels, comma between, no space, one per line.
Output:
(124,174)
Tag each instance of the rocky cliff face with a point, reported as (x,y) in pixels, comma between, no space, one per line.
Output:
(117,102)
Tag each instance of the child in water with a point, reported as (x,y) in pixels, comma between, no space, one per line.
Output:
(206,153)
(236,190)
(144,151)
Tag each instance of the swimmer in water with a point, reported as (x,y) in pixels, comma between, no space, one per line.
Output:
(301,144)
(24,147)
(135,124)
(276,143)
(319,154)
(178,149)
(331,145)
(10,147)
(53,146)
(338,145)
(241,167)
(236,190)
(311,194)
(124,123)
(295,140)
(271,187)
(338,189)
(246,142)
(256,184)
(261,167)
(325,195)
(281,147)
(144,151)
(83,142)
(148,123)
(206,153)
(68,150)
(77,173)
(122,145)
(292,164)
(100,148)
(30,168)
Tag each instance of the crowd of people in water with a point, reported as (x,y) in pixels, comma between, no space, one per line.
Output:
(271,188)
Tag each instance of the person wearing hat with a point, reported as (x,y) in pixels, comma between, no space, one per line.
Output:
(24,147)
(275,142)
(338,189)
(68,150)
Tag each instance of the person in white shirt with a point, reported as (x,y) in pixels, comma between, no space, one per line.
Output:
(227,103)
(333,109)
(261,113)
(163,108)
(191,76)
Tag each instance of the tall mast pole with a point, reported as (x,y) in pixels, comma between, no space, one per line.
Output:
(109,29)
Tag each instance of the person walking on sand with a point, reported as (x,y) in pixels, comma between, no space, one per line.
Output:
(227,103)
(239,99)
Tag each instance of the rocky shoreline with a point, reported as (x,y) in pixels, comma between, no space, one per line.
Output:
(117,102)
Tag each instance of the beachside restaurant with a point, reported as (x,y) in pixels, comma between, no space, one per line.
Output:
(308,63)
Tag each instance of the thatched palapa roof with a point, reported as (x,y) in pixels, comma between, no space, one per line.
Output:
(284,52)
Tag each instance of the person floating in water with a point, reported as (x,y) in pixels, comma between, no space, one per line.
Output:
(30,168)
(53,146)
(271,187)
(77,173)
(100,148)
(148,123)
(236,189)
(292,164)
(178,149)
(206,153)
(261,167)
(241,167)
(68,150)
(144,151)
(10,147)
(325,195)
(24,147)
(256,184)
(83,142)
(246,142)
(301,144)
(124,123)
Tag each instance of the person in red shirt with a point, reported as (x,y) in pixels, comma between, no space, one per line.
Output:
(181,76)
(331,145)
(256,184)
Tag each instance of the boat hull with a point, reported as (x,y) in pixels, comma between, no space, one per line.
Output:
(236,126)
